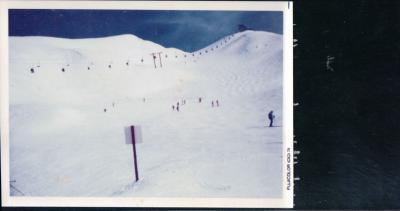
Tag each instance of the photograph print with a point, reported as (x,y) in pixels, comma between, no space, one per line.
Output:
(150,104)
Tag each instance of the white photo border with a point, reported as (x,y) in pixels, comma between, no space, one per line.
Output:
(287,148)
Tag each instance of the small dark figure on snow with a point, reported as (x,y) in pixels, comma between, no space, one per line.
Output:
(173,107)
(271,118)
(105,110)
(32,70)
(217,103)
(177,107)
(212,103)
(199,99)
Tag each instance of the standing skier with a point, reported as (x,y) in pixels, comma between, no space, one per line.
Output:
(173,107)
(217,103)
(212,103)
(271,118)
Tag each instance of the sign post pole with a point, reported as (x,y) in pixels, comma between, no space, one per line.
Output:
(134,152)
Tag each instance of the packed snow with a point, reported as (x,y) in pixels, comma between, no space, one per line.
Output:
(70,100)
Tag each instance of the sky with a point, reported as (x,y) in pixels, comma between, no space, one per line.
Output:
(185,30)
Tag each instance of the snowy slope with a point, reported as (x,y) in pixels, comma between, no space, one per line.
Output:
(63,143)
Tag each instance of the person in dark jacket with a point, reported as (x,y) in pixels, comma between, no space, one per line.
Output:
(271,118)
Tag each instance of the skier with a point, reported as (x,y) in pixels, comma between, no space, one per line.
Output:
(105,110)
(173,107)
(199,99)
(212,103)
(177,107)
(217,103)
(271,118)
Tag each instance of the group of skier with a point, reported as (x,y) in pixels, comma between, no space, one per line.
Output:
(176,107)
(183,102)
(214,103)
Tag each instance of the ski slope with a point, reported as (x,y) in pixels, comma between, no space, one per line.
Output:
(67,118)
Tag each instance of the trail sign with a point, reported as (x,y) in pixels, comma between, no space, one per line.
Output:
(137,135)
(134,133)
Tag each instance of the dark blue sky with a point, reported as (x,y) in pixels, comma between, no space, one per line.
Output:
(186,30)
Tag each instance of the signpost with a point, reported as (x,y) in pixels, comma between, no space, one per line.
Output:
(133,135)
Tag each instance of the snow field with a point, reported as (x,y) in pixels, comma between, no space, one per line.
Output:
(63,143)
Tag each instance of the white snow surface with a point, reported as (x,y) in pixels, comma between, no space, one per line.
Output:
(62,143)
